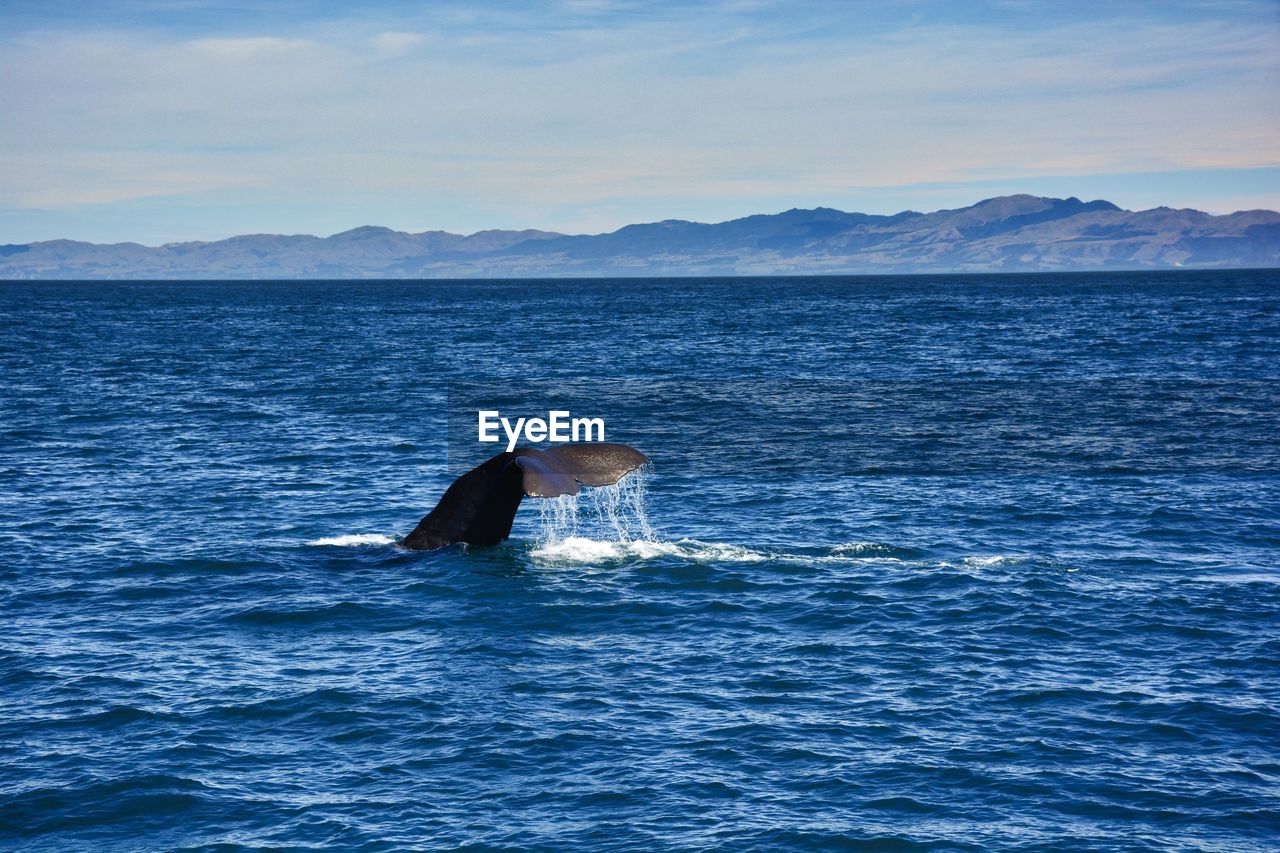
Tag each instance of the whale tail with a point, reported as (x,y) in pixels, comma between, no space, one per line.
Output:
(481,504)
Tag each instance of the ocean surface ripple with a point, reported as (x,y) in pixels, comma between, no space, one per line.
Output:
(961,563)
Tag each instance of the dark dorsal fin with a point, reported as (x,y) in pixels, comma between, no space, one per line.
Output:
(481,504)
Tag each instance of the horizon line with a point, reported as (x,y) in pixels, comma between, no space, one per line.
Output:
(414,233)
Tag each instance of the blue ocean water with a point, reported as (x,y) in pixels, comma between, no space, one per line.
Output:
(964,563)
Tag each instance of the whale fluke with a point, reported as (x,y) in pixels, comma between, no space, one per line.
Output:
(481,504)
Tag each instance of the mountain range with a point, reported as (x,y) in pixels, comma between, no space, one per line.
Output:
(1017,233)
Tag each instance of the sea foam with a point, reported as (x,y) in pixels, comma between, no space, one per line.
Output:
(573,550)
(353,540)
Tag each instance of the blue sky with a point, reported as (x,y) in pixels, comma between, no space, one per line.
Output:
(159,120)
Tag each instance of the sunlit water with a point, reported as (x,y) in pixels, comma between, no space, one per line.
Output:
(968,563)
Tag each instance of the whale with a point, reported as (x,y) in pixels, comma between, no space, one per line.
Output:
(480,506)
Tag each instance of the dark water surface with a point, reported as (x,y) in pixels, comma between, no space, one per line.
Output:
(966,563)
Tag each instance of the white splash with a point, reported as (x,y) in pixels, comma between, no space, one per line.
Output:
(600,524)
(557,519)
(993,560)
(574,550)
(611,524)
(858,549)
(614,513)
(353,540)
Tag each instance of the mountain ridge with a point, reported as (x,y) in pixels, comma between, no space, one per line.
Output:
(1015,233)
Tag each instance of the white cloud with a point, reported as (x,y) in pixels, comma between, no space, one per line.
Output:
(395,44)
(242,49)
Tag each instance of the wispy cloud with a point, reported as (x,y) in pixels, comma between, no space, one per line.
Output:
(395,43)
(247,49)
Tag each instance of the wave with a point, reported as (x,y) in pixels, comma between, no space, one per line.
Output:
(993,560)
(873,549)
(1239,577)
(573,548)
(355,540)
(580,549)
(583,550)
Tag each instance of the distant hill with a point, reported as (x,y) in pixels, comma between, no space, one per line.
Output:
(1011,233)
